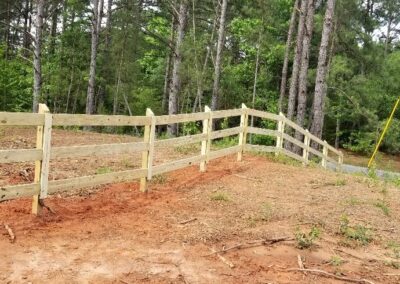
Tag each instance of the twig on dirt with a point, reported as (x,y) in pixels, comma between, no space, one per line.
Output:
(187,221)
(327,274)
(41,202)
(122,281)
(248,178)
(252,244)
(223,259)
(300,262)
(349,254)
(10,232)
(392,274)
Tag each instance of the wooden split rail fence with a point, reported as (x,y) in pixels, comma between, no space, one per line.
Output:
(45,121)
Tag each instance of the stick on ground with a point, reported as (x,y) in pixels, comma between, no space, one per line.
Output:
(10,233)
(330,275)
(252,244)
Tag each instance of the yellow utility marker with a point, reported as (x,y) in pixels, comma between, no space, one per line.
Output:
(383,133)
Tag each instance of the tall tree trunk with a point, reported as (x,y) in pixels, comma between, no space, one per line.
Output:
(253,100)
(37,64)
(305,56)
(200,87)
(177,60)
(287,53)
(218,57)
(107,45)
(297,61)
(96,22)
(320,82)
(168,63)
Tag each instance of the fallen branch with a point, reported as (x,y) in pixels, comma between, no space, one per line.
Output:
(300,262)
(10,233)
(188,221)
(248,178)
(330,275)
(223,259)
(252,244)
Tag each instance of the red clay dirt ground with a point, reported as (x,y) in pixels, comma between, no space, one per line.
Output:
(116,234)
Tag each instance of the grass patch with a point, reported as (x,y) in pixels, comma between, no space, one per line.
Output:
(353,201)
(360,234)
(306,240)
(159,179)
(266,211)
(395,247)
(340,182)
(393,264)
(382,204)
(220,196)
(336,260)
(103,170)
(187,149)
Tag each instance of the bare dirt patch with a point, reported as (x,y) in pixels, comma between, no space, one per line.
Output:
(116,234)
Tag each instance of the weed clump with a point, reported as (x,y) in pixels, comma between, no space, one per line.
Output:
(358,233)
(306,240)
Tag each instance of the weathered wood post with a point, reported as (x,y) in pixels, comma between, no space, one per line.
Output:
(43,142)
(325,155)
(147,156)
(281,131)
(307,147)
(244,122)
(204,143)
(340,162)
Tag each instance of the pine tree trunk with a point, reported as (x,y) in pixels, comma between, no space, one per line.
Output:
(177,60)
(320,82)
(218,58)
(297,61)
(200,87)
(96,22)
(37,64)
(287,53)
(168,63)
(302,94)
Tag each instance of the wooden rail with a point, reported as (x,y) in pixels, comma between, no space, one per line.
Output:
(44,121)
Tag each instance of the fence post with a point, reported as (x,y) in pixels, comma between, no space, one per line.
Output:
(340,161)
(147,156)
(43,142)
(244,121)
(204,143)
(325,154)
(281,131)
(307,146)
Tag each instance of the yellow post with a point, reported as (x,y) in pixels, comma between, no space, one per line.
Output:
(383,133)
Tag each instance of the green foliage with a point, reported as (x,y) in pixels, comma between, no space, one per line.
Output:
(383,205)
(103,170)
(358,233)
(306,240)
(220,196)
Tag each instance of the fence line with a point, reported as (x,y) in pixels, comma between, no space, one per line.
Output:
(44,121)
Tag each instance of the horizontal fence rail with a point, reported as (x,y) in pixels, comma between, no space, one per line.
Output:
(44,121)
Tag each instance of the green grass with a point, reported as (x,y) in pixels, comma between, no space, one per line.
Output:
(353,201)
(266,211)
(381,204)
(306,240)
(360,234)
(220,196)
(336,260)
(103,170)
(159,179)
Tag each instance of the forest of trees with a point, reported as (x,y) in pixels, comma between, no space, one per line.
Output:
(332,66)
